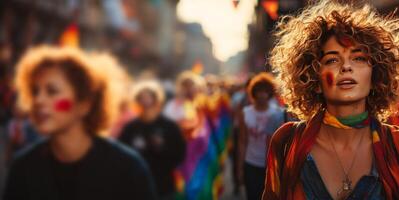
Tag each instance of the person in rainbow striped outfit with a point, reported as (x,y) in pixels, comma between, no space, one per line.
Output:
(338,68)
(197,176)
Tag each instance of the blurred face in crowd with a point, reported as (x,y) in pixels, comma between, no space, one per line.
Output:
(212,87)
(189,89)
(262,97)
(147,100)
(345,72)
(54,106)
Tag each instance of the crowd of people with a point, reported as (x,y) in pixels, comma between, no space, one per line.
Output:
(80,124)
(77,126)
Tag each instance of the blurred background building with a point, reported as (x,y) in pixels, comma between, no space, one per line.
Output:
(144,34)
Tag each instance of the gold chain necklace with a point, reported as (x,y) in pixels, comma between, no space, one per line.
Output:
(346,188)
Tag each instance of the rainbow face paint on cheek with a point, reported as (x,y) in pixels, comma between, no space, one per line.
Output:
(63,105)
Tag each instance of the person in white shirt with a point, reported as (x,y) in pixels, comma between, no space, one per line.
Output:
(258,122)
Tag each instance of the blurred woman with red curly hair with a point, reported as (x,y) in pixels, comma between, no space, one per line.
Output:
(69,103)
(338,67)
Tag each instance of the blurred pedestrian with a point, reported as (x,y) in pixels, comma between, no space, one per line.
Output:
(67,98)
(258,122)
(237,100)
(158,139)
(6,89)
(20,132)
(184,108)
(195,175)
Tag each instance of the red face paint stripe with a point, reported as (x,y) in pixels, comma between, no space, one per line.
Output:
(63,105)
(330,79)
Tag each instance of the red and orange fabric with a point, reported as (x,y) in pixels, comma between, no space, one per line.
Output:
(292,143)
(70,37)
(206,126)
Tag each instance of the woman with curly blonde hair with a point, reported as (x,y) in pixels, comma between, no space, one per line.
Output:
(69,103)
(338,66)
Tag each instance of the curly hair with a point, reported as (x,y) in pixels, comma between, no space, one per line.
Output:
(86,80)
(300,37)
(262,81)
(153,86)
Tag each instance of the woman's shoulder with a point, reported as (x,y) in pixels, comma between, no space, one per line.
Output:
(285,132)
(32,152)
(32,156)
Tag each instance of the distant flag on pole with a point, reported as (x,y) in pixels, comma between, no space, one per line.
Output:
(70,37)
(271,8)
(235,3)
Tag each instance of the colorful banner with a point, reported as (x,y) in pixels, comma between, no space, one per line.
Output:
(271,8)
(200,176)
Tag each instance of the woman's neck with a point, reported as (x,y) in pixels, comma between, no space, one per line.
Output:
(347,110)
(345,137)
(71,144)
(342,138)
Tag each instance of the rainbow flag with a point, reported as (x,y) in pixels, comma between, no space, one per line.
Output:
(200,175)
(220,115)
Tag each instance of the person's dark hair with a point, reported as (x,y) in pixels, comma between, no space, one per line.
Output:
(261,82)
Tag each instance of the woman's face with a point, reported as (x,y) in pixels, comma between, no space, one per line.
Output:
(189,89)
(345,72)
(54,107)
(262,97)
